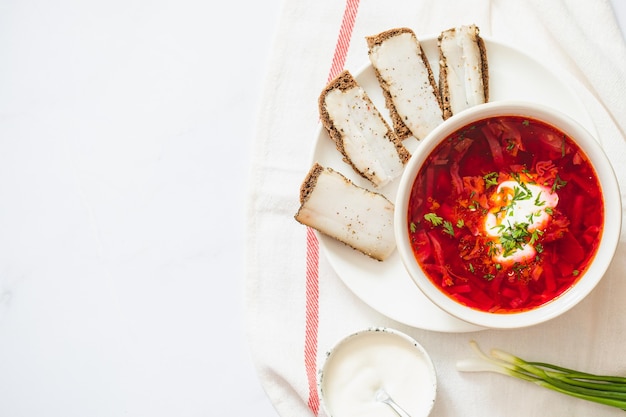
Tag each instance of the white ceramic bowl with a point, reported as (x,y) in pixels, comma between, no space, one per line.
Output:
(609,237)
(361,363)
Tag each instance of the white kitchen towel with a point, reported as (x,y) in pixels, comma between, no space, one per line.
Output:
(297,306)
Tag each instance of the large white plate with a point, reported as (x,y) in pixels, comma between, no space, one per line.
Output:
(386,286)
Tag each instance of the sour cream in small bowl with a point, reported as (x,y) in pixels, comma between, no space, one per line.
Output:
(366,361)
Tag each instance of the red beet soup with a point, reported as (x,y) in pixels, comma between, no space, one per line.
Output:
(505,214)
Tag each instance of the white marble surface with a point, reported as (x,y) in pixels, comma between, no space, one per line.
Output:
(125,127)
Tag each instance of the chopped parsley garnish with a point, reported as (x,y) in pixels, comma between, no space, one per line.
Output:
(448,228)
(534,236)
(433,219)
(558,183)
(514,238)
(491,179)
(520,193)
(538,201)
(510,144)
(493,250)
(413,227)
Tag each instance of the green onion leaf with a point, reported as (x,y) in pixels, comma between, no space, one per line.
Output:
(602,389)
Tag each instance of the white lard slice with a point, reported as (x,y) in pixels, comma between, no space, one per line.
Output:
(360,132)
(405,74)
(365,136)
(461,68)
(333,205)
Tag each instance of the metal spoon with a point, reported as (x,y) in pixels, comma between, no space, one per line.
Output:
(383,397)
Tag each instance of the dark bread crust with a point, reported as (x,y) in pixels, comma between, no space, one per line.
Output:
(378,39)
(345,81)
(308,185)
(485,65)
(444,88)
(373,41)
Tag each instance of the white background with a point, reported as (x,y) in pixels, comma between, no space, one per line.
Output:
(125,131)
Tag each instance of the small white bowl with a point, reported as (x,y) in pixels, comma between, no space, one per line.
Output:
(609,237)
(368,360)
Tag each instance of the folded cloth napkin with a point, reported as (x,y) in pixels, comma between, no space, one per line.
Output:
(298,307)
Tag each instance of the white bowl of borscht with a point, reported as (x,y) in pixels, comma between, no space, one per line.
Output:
(508,214)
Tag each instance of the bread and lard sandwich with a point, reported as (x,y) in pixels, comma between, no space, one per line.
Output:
(360,218)
(361,134)
(463,69)
(333,205)
(408,84)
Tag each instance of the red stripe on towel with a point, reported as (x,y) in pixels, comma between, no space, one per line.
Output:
(343,41)
(312,317)
(312,244)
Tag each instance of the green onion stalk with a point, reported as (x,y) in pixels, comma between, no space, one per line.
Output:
(607,390)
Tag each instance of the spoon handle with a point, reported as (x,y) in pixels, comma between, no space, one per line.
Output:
(399,411)
(383,397)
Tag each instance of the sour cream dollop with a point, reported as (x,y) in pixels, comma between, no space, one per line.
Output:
(518,205)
